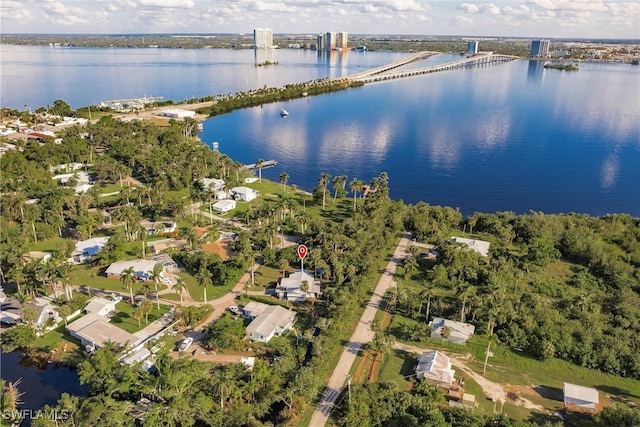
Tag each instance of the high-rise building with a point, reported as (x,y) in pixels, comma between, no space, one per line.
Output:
(330,40)
(472,48)
(263,38)
(539,48)
(322,42)
(342,42)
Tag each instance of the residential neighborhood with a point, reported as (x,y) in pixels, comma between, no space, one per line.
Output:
(299,307)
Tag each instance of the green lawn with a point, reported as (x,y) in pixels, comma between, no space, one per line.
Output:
(124,320)
(197,292)
(48,245)
(266,276)
(397,367)
(86,275)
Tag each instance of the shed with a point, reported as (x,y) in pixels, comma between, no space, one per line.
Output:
(580,397)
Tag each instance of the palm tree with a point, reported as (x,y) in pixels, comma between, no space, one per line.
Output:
(259,165)
(126,277)
(180,286)
(62,272)
(64,311)
(145,308)
(204,279)
(284,177)
(324,182)
(156,276)
(355,186)
(445,333)
(137,314)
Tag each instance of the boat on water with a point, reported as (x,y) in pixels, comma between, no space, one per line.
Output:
(284,113)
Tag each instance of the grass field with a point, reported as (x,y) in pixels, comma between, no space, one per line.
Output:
(86,275)
(124,319)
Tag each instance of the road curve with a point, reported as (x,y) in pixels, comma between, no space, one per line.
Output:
(361,335)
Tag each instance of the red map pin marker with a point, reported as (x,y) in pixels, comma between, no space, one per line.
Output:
(302,251)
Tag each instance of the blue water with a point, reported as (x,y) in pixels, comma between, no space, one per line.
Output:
(513,137)
(40,386)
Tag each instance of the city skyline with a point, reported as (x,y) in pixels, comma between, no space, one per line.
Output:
(502,18)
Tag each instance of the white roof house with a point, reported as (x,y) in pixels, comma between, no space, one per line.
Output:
(85,249)
(212,184)
(460,332)
(435,366)
(274,320)
(480,246)
(143,268)
(245,194)
(100,306)
(253,309)
(290,288)
(581,397)
(44,311)
(94,329)
(224,206)
(154,227)
(178,113)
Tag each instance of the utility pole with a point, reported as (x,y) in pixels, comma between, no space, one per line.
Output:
(486,359)
(349,387)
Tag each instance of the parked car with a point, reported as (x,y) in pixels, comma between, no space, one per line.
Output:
(186,343)
(234,309)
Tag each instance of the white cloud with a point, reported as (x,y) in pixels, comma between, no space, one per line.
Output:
(469,8)
(182,4)
(14,11)
(463,20)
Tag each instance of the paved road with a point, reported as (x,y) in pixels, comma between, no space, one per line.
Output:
(361,335)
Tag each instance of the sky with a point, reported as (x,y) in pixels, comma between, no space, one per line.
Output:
(504,18)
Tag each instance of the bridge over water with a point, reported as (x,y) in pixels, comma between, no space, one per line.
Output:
(382,73)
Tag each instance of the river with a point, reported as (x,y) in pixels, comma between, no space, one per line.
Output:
(511,137)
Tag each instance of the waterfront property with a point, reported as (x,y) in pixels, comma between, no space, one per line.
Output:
(212,184)
(94,330)
(274,320)
(244,194)
(460,332)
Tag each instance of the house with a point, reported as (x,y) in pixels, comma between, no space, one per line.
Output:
(94,329)
(101,306)
(580,397)
(220,195)
(10,309)
(162,245)
(211,184)
(460,332)
(224,206)
(177,113)
(253,309)
(274,320)
(167,262)
(436,367)
(158,227)
(221,248)
(479,246)
(86,249)
(142,269)
(83,181)
(244,194)
(45,312)
(290,288)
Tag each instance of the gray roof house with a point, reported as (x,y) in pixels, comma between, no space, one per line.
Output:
(479,246)
(274,320)
(460,332)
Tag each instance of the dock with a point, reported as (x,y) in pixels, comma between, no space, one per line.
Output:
(265,164)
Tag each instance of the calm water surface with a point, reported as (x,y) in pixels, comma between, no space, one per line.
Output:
(40,386)
(510,137)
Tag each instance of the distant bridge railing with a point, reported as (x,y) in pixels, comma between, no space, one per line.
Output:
(380,73)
